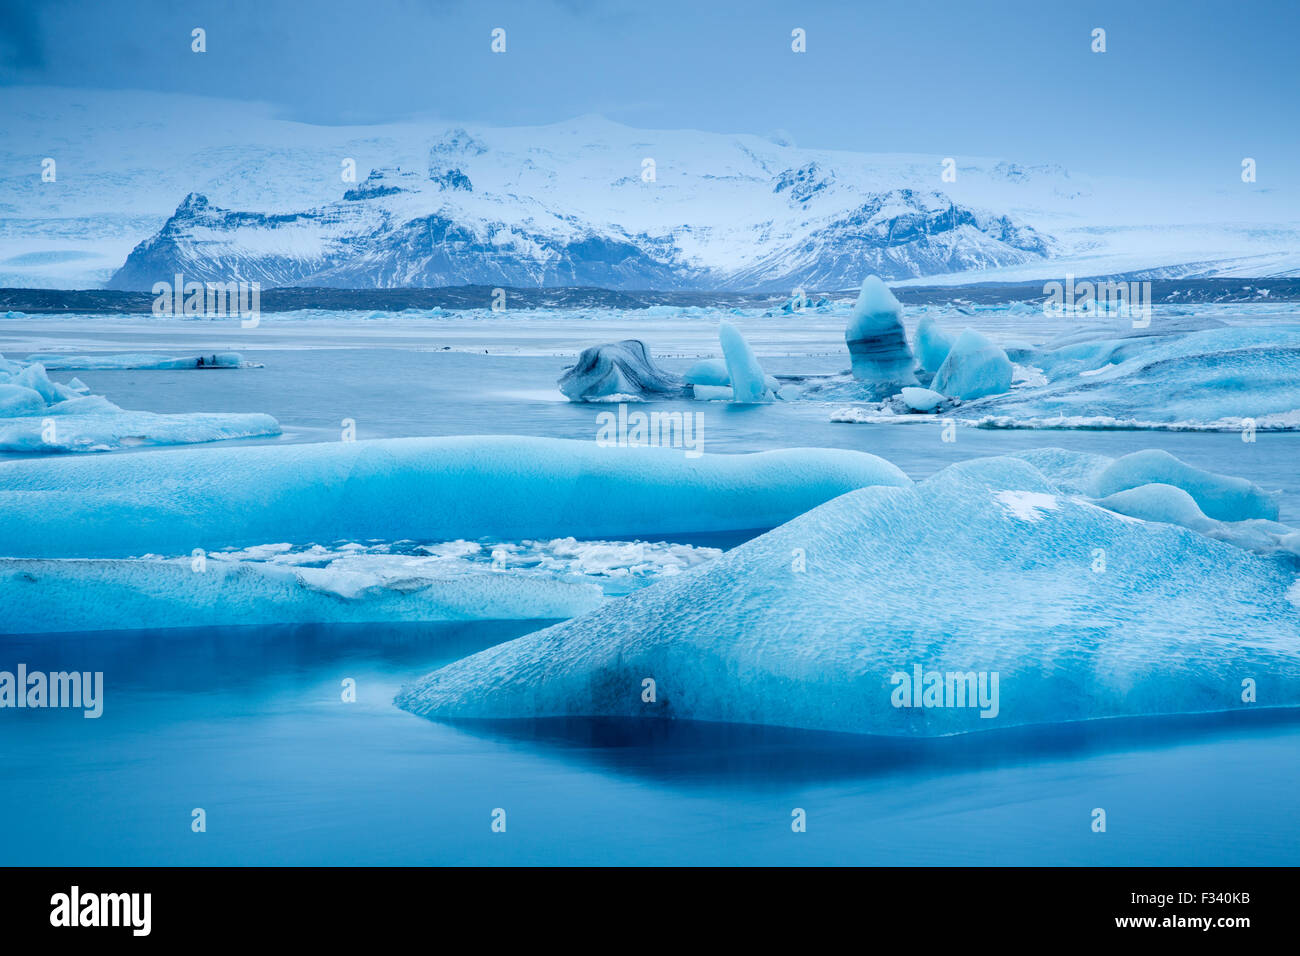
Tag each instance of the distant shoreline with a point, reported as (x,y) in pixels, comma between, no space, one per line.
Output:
(462,298)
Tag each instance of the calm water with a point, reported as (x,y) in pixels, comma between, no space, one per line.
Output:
(248,724)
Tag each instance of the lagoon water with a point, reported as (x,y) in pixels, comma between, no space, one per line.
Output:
(249,725)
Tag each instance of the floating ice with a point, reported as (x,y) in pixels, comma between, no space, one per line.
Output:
(39,415)
(619,371)
(922,399)
(974,367)
(1228,379)
(1222,497)
(40,596)
(209,360)
(708,372)
(403,581)
(748,383)
(877,342)
(932,344)
(942,578)
(432,489)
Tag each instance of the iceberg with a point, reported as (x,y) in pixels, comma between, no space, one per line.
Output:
(433,489)
(877,342)
(39,415)
(863,636)
(932,344)
(748,383)
(973,368)
(708,372)
(619,372)
(1221,497)
(1224,379)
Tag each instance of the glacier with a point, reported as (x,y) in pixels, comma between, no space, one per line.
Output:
(508,487)
(812,624)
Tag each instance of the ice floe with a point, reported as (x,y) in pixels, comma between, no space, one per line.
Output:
(432,489)
(40,415)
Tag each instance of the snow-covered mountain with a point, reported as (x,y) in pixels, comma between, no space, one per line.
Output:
(583,202)
(402,229)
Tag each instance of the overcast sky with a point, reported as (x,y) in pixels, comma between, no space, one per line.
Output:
(1185,88)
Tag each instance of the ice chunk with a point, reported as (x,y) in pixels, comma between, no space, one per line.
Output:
(619,370)
(900,583)
(140,361)
(877,342)
(748,383)
(708,372)
(932,344)
(19,400)
(1221,497)
(507,487)
(922,399)
(974,367)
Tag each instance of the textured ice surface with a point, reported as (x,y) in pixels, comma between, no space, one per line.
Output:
(402,581)
(973,368)
(506,487)
(932,344)
(617,372)
(984,569)
(1220,378)
(877,342)
(142,360)
(41,595)
(748,383)
(1173,505)
(40,415)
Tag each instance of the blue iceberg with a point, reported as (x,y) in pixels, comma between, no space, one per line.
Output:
(430,489)
(1048,609)
(748,383)
(877,342)
(932,344)
(973,368)
(619,372)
